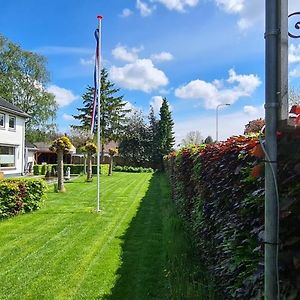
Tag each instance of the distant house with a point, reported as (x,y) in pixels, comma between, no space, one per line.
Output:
(12,139)
(44,155)
(30,151)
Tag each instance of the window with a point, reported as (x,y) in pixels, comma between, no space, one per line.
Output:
(2,120)
(12,122)
(7,157)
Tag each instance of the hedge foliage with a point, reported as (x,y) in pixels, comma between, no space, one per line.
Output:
(75,169)
(132,169)
(20,196)
(219,192)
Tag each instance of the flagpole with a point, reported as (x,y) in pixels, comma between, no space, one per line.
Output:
(98,111)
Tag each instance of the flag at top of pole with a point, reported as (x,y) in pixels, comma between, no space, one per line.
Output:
(96,101)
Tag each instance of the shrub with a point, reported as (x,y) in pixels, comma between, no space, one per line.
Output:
(222,204)
(19,196)
(132,169)
(75,169)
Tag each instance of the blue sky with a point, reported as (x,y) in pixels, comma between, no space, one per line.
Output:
(197,53)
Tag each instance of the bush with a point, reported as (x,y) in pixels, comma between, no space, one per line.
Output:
(20,196)
(219,192)
(75,169)
(132,169)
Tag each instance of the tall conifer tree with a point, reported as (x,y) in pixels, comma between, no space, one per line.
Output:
(166,134)
(113,111)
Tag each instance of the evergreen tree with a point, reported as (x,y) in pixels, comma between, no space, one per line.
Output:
(112,111)
(166,134)
(208,140)
(154,138)
(84,115)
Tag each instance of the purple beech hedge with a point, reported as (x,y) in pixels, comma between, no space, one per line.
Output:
(219,192)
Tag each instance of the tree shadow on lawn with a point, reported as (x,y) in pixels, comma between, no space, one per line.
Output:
(157,261)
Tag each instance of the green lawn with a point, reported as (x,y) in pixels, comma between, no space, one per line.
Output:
(134,248)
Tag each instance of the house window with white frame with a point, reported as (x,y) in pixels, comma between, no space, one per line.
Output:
(2,120)
(12,122)
(7,157)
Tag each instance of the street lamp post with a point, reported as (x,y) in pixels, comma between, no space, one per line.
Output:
(217,119)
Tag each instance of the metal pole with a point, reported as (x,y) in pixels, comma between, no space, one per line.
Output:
(217,123)
(98,111)
(271,110)
(217,119)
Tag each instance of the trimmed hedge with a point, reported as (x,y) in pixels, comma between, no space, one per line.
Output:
(20,196)
(219,192)
(132,169)
(75,169)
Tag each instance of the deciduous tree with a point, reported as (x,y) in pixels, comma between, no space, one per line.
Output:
(23,79)
(61,146)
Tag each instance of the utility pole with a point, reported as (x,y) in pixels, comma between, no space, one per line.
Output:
(272,95)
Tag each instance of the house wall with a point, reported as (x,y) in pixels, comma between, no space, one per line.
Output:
(16,139)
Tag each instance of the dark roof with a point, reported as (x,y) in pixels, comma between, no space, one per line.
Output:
(9,107)
(30,145)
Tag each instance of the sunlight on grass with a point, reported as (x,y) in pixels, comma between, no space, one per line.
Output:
(133,249)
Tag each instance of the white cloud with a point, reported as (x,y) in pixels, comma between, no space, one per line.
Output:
(125,54)
(140,75)
(178,5)
(250,110)
(214,93)
(63,97)
(207,124)
(68,117)
(250,12)
(126,12)
(87,62)
(144,8)
(294,53)
(231,6)
(162,56)
(156,102)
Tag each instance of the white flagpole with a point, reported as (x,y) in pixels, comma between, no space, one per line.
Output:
(98,111)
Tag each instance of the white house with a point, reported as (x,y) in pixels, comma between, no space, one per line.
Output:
(12,139)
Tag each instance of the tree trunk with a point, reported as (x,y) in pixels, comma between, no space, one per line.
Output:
(110,166)
(60,171)
(89,168)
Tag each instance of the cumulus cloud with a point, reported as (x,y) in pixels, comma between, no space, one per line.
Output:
(178,5)
(126,54)
(294,53)
(231,6)
(139,75)
(207,124)
(144,8)
(250,110)
(250,12)
(156,102)
(68,117)
(220,92)
(162,56)
(126,12)
(63,97)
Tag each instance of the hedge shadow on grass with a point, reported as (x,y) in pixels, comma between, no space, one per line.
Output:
(157,260)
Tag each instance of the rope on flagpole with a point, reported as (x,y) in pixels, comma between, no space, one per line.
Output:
(98,111)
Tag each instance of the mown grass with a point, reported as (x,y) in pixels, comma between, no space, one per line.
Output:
(134,248)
